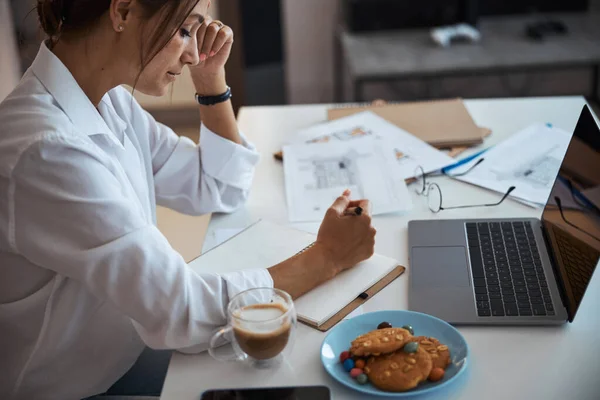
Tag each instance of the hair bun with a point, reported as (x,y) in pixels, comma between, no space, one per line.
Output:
(50,13)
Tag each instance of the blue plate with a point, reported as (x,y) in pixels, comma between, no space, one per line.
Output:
(341,335)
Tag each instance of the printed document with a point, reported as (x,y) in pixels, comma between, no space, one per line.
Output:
(529,160)
(407,150)
(316,174)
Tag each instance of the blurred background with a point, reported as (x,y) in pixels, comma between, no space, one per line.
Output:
(323,51)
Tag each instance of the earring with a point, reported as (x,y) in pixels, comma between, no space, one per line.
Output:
(120,28)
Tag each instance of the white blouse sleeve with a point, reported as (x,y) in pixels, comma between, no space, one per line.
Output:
(215,175)
(71,217)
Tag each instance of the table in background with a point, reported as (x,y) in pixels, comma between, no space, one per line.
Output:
(506,362)
(504,48)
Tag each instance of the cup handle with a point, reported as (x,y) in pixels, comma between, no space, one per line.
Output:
(215,339)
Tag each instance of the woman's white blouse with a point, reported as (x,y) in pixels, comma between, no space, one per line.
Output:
(86,278)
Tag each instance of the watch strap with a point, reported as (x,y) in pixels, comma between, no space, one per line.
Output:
(212,100)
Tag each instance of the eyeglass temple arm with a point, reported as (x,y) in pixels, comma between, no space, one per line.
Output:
(442,173)
(510,189)
(465,172)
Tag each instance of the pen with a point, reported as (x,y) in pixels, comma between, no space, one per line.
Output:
(353,211)
(463,161)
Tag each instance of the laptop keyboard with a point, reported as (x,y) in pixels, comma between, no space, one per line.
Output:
(507,270)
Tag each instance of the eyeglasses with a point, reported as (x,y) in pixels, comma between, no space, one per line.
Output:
(433,192)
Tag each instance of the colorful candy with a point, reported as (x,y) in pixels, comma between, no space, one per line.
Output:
(344,355)
(436,374)
(362,379)
(384,325)
(354,372)
(411,347)
(409,328)
(360,363)
(348,364)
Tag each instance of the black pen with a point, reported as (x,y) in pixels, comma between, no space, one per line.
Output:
(353,211)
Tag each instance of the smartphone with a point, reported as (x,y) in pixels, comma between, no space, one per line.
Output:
(275,393)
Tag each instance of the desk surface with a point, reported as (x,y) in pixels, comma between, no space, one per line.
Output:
(506,362)
(503,47)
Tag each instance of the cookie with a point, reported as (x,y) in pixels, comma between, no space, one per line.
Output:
(380,341)
(439,353)
(399,371)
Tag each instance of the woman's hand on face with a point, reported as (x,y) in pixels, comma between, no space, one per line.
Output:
(347,238)
(214,47)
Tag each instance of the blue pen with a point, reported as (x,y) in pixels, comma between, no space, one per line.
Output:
(463,161)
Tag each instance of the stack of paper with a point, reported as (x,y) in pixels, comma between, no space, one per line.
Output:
(364,153)
(529,160)
(406,149)
(265,244)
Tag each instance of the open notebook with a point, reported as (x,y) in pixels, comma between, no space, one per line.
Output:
(265,244)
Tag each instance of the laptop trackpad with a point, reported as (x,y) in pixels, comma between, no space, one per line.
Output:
(439,267)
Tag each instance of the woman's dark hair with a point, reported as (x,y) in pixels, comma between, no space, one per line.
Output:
(65,17)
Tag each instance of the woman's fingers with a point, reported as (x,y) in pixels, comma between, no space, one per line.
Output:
(200,37)
(210,34)
(339,205)
(224,36)
(353,211)
(364,204)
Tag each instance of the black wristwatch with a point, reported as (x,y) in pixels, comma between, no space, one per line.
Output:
(212,100)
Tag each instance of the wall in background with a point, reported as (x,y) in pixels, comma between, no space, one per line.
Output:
(308,27)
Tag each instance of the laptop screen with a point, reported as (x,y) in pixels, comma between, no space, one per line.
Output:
(571,217)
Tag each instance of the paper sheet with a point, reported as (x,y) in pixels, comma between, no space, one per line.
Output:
(408,150)
(316,174)
(218,236)
(529,160)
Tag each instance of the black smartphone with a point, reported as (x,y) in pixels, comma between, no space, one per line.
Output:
(275,393)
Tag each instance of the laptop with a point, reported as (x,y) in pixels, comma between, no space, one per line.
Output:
(515,271)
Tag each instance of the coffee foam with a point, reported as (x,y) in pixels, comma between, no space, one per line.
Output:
(261,318)
(259,314)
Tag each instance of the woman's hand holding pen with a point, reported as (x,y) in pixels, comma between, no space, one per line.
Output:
(345,238)
(346,234)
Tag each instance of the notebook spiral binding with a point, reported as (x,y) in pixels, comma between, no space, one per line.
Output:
(304,249)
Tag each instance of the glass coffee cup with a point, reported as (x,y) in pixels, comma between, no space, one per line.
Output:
(261,328)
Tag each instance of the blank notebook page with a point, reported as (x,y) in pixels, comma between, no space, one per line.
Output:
(265,244)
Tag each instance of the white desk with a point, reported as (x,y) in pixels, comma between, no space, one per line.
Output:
(506,362)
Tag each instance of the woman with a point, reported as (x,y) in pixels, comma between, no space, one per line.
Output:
(87,279)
